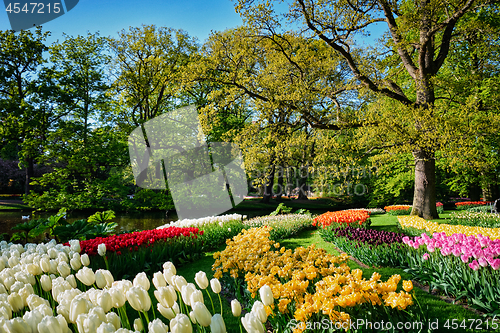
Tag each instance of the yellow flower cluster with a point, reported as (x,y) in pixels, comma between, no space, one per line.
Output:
(448,229)
(305,281)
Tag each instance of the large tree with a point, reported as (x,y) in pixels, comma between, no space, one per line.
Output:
(24,118)
(418,39)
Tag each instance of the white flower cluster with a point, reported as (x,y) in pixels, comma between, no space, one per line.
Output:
(52,270)
(371,210)
(204,221)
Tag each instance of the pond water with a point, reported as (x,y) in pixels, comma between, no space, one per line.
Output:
(125,221)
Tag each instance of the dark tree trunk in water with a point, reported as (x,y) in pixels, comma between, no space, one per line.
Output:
(424,198)
(268,189)
(29,174)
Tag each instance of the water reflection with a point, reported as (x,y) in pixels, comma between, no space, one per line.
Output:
(125,221)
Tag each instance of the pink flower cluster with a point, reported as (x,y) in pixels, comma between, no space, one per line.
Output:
(482,249)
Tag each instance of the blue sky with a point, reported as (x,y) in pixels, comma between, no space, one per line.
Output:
(197,17)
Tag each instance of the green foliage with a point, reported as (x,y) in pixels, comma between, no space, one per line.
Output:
(101,217)
(146,199)
(281,209)
(83,229)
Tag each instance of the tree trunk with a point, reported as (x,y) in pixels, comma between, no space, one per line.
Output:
(279,194)
(424,198)
(268,190)
(29,174)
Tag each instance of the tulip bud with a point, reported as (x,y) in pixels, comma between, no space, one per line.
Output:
(236,308)
(252,323)
(16,302)
(45,264)
(105,301)
(181,324)
(192,316)
(49,324)
(91,323)
(32,318)
(266,295)
(259,311)
(159,280)
(157,326)
(168,275)
(101,249)
(86,276)
(33,301)
(100,279)
(118,297)
(53,266)
(169,265)
(112,318)
(139,299)
(63,269)
(186,292)
(217,325)
(215,284)
(106,328)
(166,296)
(196,296)
(141,280)
(46,282)
(201,280)
(138,326)
(63,323)
(178,281)
(34,269)
(71,280)
(75,245)
(85,259)
(109,278)
(17,325)
(78,306)
(168,313)
(203,316)
(75,263)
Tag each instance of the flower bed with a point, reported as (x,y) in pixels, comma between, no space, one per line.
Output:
(460,265)
(372,247)
(146,250)
(372,211)
(398,209)
(308,283)
(282,226)
(43,280)
(201,222)
(359,218)
(474,219)
(469,204)
(439,207)
(415,224)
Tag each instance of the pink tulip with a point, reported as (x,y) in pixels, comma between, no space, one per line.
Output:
(495,264)
(474,265)
(482,262)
